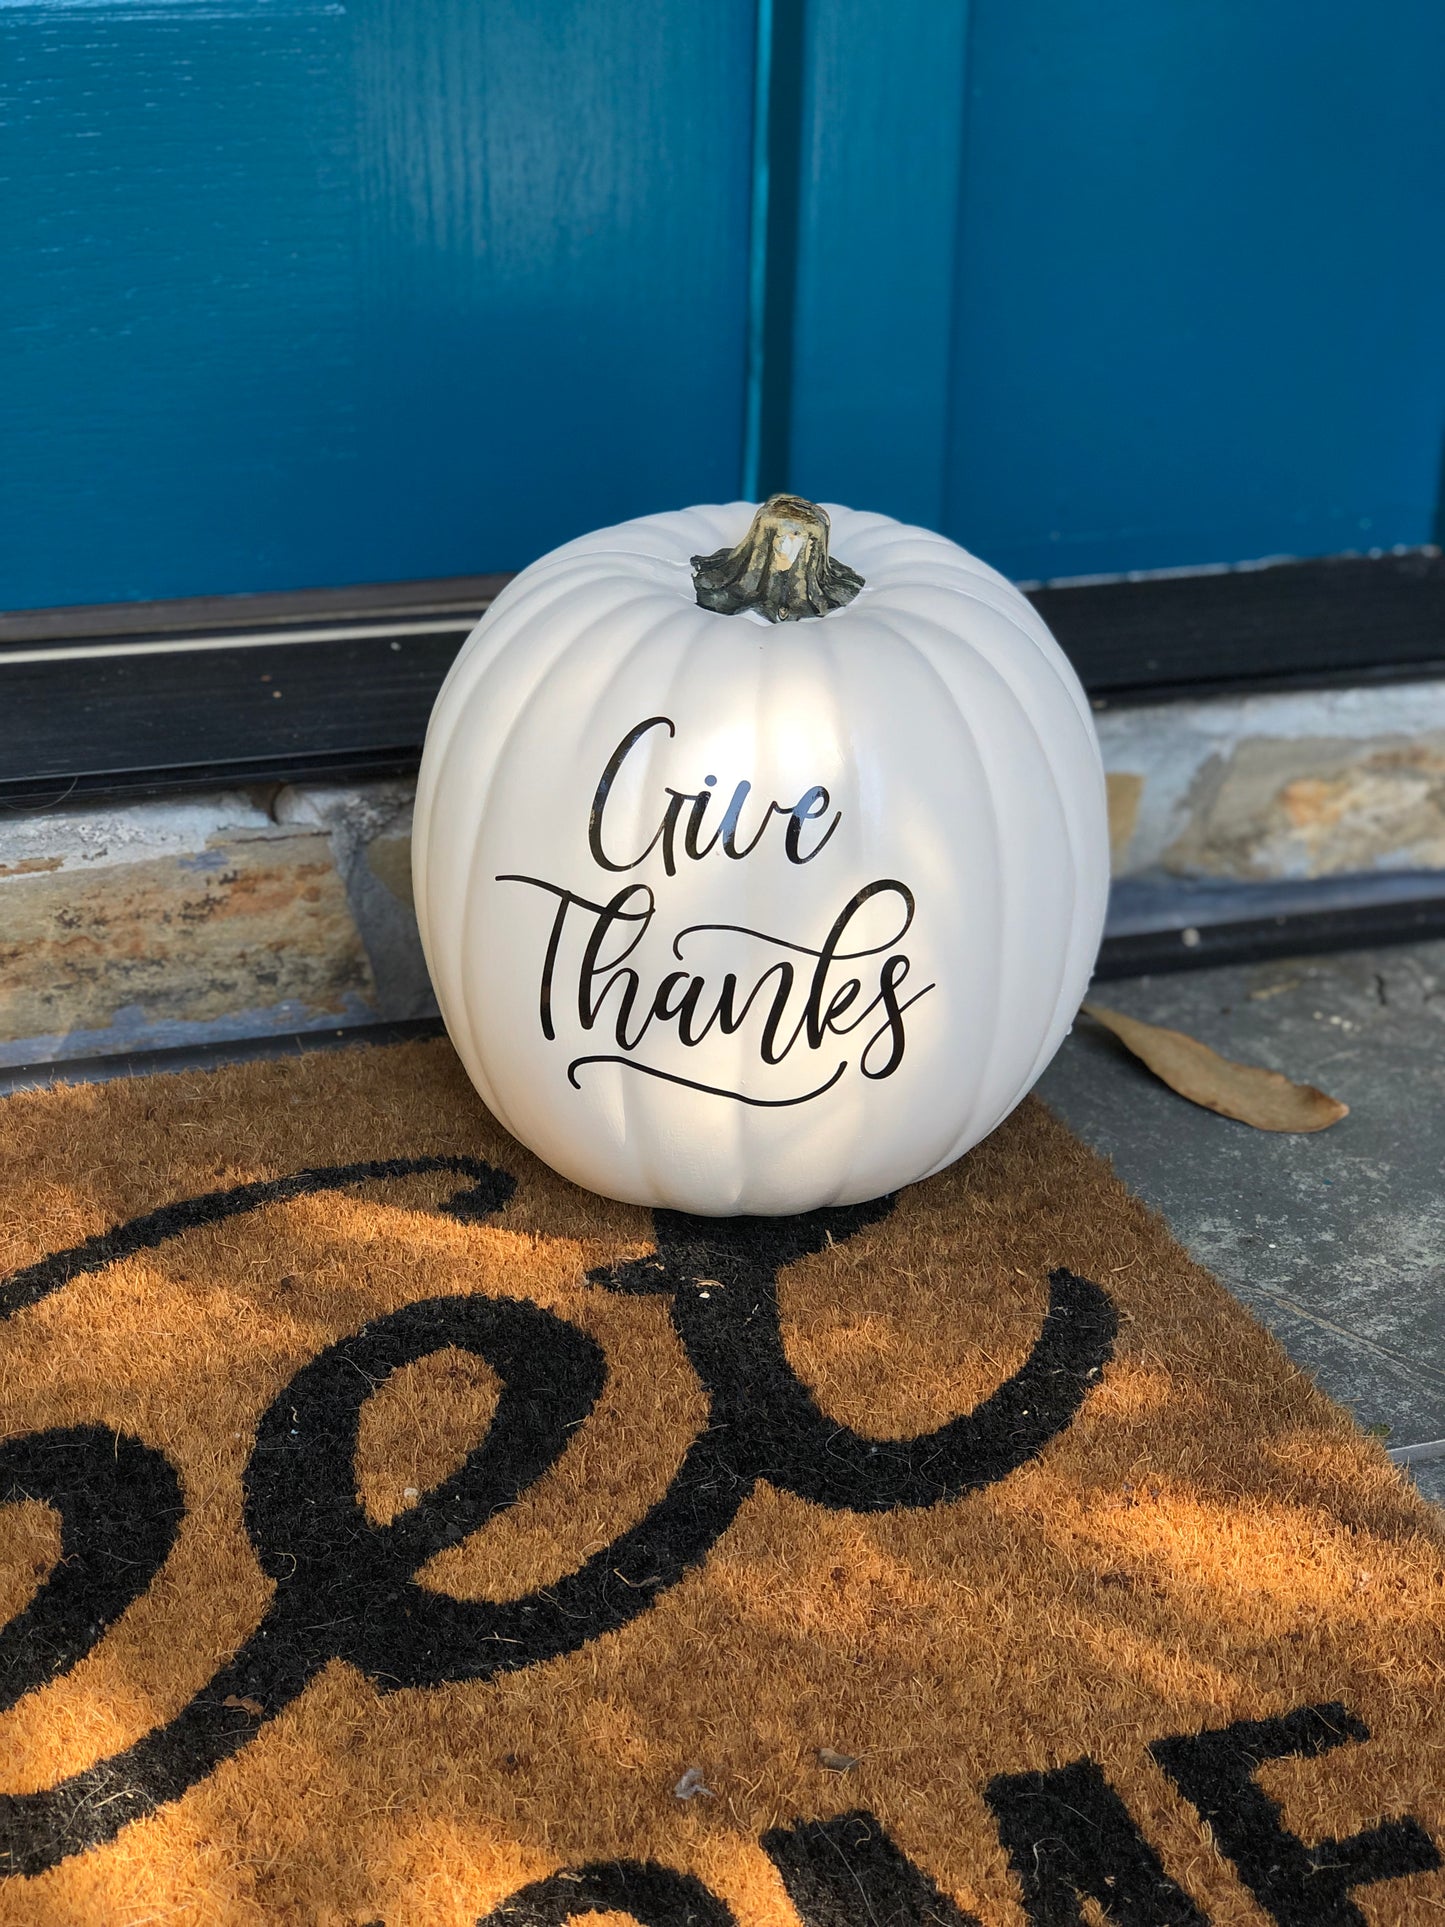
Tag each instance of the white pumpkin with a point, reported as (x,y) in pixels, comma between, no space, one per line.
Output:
(758,911)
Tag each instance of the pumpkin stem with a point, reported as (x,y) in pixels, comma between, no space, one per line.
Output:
(781,567)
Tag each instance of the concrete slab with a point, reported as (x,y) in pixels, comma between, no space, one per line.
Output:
(1335,1241)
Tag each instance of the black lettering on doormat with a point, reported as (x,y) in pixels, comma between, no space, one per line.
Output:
(120,1505)
(848,1873)
(1069,1835)
(488,1192)
(1297,1885)
(346,1587)
(654,1896)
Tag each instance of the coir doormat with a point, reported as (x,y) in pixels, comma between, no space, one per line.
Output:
(394,1533)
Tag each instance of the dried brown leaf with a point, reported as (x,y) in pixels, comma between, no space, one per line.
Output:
(1265,1099)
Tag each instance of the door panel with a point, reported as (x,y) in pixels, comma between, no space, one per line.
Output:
(880,163)
(303,294)
(1196,308)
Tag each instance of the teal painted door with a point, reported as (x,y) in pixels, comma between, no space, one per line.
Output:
(297,293)
(1100,285)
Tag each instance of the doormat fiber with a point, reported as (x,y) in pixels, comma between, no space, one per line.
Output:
(392,1532)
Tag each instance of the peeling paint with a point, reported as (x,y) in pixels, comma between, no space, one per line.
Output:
(1210,769)
(1316,807)
(271,925)
(370,830)
(86,837)
(389,859)
(30,866)
(1125,791)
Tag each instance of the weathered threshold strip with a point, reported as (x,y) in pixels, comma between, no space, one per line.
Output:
(209,1057)
(1182,928)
